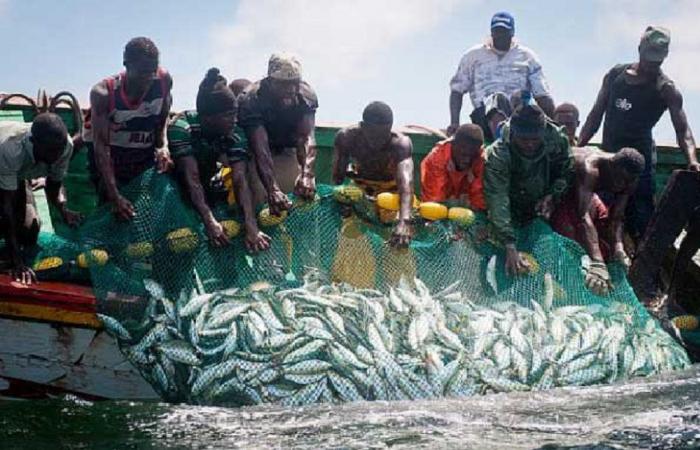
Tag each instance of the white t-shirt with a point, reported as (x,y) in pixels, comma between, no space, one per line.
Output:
(17,157)
(484,70)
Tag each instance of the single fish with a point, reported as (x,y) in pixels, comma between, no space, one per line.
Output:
(180,351)
(491,274)
(114,327)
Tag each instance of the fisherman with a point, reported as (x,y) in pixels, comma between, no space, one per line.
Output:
(198,140)
(678,209)
(381,162)
(499,65)
(30,151)
(278,114)
(129,112)
(527,172)
(566,115)
(454,169)
(633,98)
(582,216)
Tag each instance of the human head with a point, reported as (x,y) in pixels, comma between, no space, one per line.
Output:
(626,166)
(466,145)
(49,137)
(496,110)
(141,61)
(502,30)
(284,73)
(216,104)
(377,120)
(527,127)
(566,115)
(653,49)
(239,85)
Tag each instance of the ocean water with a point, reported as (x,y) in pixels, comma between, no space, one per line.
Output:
(655,413)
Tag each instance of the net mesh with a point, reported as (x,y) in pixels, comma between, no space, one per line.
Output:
(332,313)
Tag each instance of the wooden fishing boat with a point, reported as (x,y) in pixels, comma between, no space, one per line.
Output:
(51,341)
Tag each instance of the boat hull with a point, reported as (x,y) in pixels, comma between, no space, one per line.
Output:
(51,342)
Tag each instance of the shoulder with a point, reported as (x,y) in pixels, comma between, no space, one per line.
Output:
(616,71)
(99,91)
(473,54)
(556,134)
(437,153)
(308,95)
(180,127)
(251,94)
(527,52)
(13,129)
(346,136)
(401,142)
(665,85)
(165,75)
(497,153)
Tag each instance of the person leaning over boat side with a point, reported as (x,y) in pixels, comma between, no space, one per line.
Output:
(633,98)
(381,162)
(278,114)
(582,216)
(129,112)
(566,115)
(197,141)
(29,151)
(499,65)
(454,169)
(527,172)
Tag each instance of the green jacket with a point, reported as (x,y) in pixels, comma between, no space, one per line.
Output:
(185,138)
(514,183)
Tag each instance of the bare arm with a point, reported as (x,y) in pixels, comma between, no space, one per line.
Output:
(456,99)
(404,179)
(8,212)
(56,194)
(164,114)
(341,157)
(99,101)
(684,135)
(617,218)
(306,157)
(255,240)
(263,160)
(595,117)
(583,207)
(188,170)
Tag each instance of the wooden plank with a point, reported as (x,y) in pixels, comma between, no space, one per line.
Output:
(79,360)
(49,314)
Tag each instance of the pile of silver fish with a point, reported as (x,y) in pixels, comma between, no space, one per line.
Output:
(330,342)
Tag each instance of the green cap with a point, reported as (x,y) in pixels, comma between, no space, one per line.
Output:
(654,44)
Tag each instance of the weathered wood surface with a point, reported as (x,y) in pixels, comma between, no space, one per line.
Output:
(63,358)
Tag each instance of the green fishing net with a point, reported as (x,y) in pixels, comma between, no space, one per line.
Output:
(332,313)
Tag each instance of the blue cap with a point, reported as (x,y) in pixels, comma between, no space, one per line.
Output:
(504,20)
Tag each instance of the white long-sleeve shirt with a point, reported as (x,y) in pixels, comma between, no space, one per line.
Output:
(484,70)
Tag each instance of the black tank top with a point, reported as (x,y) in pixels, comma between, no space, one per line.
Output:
(632,112)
